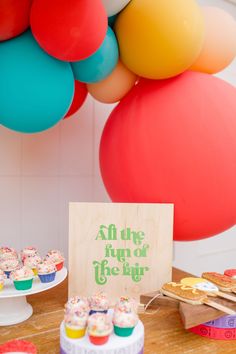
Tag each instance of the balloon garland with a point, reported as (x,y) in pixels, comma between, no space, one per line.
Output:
(170,139)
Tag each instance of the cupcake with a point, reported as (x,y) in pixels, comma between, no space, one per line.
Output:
(57,258)
(32,262)
(230,273)
(46,271)
(75,321)
(99,328)
(77,303)
(28,252)
(126,304)
(98,303)
(2,279)
(7,252)
(22,278)
(9,265)
(125,317)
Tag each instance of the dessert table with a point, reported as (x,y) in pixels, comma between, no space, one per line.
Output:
(164,332)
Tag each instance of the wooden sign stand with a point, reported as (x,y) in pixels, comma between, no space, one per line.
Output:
(122,249)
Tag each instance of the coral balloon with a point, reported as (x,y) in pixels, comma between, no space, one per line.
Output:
(100,64)
(69,30)
(173,141)
(115,86)
(14,17)
(36,90)
(160,39)
(219,48)
(79,98)
(114,6)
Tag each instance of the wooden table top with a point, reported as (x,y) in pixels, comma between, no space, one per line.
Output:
(164,332)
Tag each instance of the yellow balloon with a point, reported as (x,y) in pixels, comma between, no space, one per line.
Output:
(159,39)
(115,86)
(219,47)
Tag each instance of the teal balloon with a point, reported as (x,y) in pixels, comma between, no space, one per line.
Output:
(100,64)
(112,20)
(36,90)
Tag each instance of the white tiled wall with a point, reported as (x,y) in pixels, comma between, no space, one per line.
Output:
(40,174)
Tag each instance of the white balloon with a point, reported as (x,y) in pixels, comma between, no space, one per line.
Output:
(114,6)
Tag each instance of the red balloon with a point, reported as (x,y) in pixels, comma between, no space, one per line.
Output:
(69,30)
(14,17)
(173,141)
(79,98)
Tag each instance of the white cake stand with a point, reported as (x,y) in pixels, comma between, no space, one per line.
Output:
(14,307)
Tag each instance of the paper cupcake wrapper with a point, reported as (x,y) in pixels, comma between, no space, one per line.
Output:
(47,278)
(23,284)
(123,332)
(74,333)
(1,286)
(223,322)
(214,333)
(7,272)
(98,340)
(59,266)
(91,312)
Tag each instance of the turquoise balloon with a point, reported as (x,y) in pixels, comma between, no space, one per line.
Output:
(36,90)
(100,64)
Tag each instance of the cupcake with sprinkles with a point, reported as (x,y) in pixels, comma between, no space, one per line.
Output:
(28,252)
(98,303)
(32,262)
(22,278)
(7,252)
(99,328)
(75,321)
(126,304)
(57,258)
(2,279)
(46,271)
(9,265)
(77,303)
(125,317)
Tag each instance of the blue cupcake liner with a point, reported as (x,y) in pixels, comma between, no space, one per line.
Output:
(91,312)
(7,272)
(47,278)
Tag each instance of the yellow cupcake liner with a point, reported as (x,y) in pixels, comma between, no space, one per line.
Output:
(35,271)
(1,287)
(75,333)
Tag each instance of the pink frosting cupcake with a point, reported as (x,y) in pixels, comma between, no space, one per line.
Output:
(7,252)
(32,262)
(125,317)
(126,304)
(22,278)
(28,252)
(98,303)
(57,258)
(99,328)
(46,271)
(9,265)
(78,304)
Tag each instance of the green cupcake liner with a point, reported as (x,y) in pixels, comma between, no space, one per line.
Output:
(23,284)
(123,332)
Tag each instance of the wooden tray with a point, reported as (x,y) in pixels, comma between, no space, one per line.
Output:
(191,315)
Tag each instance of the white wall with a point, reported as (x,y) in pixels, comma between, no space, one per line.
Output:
(40,174)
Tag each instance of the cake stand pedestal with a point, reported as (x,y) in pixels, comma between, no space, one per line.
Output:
(14,307)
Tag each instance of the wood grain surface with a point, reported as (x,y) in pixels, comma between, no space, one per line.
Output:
(164,332)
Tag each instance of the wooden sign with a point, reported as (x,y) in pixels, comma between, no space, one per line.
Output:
(122,249)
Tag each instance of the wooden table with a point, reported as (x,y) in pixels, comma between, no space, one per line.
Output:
(164,332)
